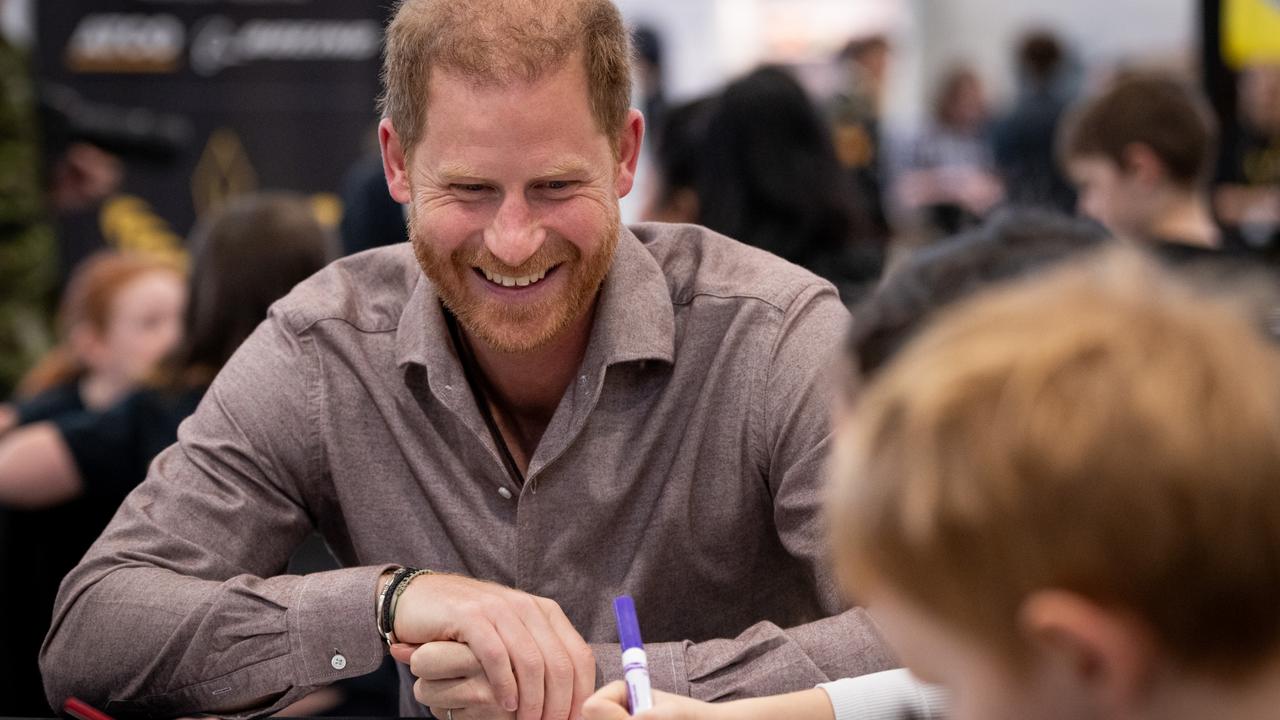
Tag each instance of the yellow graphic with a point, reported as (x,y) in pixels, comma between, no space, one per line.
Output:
(1250,32)
(327,207)
(223,172)
(129,224)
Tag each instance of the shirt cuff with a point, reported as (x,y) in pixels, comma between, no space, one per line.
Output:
(885,695)
(335,634)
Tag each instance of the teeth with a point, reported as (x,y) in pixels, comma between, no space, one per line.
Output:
(507,281)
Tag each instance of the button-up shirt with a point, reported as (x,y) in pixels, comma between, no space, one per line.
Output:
(683,466)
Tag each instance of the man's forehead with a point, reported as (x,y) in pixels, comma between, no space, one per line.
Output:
(552,167)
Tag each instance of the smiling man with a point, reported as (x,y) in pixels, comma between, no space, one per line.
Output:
(541,407)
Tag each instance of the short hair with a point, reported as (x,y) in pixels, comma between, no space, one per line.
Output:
(496,42)
(1160,112)
(1102,429)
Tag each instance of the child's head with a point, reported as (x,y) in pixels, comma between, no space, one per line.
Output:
(120,315)
(1143,139)
(1062,500)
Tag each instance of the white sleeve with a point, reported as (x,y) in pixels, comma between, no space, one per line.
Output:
(888,695)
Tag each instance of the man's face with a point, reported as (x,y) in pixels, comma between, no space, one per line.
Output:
(513,202)
(1112,197)
(983,685)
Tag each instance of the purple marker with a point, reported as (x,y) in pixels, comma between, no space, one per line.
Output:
(635,666)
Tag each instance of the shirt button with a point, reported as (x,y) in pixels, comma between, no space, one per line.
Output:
(338,661)
(505,493)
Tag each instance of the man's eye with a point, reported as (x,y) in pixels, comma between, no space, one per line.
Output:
(470,188)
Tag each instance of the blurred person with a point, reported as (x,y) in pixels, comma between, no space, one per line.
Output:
(767,175)
(1140,154)
(1025,139)
(945,178)
(1247,193)
(62,480)
(243,260)
(962,474)
(517,404)
(855,116)
(650,83)
(674,197)
(119,317)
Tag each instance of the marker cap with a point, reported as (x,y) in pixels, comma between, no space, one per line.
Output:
(624,609)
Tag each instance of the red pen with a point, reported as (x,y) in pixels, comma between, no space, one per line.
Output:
(81,710)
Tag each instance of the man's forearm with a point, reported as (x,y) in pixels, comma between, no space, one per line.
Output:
(179,645)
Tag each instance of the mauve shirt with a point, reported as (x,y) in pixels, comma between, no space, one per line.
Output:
(683,466)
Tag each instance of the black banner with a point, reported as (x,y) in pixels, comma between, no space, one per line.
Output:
(206,99)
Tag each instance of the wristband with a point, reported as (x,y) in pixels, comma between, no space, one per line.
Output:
(384,598)
(402,584)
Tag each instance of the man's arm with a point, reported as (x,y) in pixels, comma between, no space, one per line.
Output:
(36,468)
(174,610)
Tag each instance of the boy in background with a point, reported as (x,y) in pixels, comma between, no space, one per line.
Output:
(1140,155)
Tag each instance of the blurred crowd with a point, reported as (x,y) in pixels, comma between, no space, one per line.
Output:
(98,387)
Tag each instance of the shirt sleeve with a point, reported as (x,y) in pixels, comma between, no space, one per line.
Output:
(791,440)
(888,695)
(180,608)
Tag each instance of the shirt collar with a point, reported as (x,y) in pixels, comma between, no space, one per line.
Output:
(634,318)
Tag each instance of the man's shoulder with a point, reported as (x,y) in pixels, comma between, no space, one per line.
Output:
(366,291)
(698,262)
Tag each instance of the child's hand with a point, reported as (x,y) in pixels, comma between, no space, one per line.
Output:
(610,703)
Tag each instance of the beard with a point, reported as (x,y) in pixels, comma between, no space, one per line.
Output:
(514,326)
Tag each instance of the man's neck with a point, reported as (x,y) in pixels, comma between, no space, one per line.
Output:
(523,389)
(1186,219)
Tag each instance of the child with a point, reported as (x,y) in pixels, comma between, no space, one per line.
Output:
(1060,502)
(120,315)
(1140,155)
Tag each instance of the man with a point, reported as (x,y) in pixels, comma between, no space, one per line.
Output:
(543,408)
(1139,155)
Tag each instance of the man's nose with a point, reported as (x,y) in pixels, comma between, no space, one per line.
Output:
(515,233)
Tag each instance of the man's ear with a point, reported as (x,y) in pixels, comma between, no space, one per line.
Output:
(1141,162)
(393,162)
(629,151)
(1106,656)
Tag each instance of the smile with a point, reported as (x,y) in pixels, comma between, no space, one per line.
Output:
(510,281)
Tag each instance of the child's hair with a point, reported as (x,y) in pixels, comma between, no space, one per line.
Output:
(244,257)
(1102,429)
(88,301)
(1160,112)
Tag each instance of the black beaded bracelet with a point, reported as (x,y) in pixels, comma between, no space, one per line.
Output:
(384,600)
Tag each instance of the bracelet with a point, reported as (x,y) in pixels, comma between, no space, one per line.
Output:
(401,584)
(384,598)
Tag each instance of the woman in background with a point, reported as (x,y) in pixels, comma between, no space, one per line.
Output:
(120,316)
(767,174)
(68,476)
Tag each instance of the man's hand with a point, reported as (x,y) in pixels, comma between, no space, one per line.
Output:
(491,651)
(610,703)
